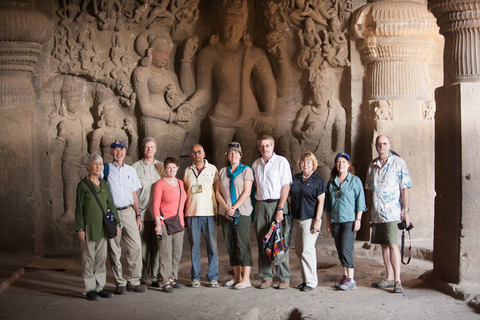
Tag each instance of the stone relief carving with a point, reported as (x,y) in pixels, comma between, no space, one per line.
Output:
(428,110)
(126,50)
(320,126)
(383,110)
(110,129)
(159,94)
(230,63)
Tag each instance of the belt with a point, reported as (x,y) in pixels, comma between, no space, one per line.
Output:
(126,207)
(269,200)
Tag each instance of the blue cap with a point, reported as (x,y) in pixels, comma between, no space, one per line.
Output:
(117,144)
(342,154)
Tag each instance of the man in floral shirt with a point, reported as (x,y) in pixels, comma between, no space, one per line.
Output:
(389,180)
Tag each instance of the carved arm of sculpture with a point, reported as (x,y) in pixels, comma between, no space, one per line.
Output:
(203,94)
(299,124)
(94,146)
(128,126)
(187,80)
(277,45)
(340,126)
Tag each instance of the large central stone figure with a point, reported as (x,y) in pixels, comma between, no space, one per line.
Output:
(231,62)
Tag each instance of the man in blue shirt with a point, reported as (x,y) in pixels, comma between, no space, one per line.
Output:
(124,183)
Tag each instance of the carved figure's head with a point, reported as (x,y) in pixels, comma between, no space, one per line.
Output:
(107,112)
(160,50)
(233,21)
(321,82)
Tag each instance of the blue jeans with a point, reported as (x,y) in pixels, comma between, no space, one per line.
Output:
(196,226)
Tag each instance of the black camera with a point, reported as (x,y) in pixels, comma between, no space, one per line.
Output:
(159,236)
(402,225)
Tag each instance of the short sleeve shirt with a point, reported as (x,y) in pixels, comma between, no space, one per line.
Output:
(246,175)
(123,181)
(304,195)
(148,175)
(270,177)
(386,184)
(343,201)
(200,203)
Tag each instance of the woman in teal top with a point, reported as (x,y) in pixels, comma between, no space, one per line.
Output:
(344,205)
(89,227)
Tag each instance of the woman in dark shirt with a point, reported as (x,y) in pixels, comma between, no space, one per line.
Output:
(89,227)
(307,194)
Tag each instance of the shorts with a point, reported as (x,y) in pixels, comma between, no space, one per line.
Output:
(385,233)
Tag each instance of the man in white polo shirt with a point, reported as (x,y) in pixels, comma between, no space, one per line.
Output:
(124,183)
(272,181)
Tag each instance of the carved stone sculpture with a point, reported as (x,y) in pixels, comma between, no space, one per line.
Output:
(109,130)
(159,93)
(317,123)
(230,63)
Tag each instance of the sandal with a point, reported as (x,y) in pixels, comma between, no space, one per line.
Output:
(176,285)
(167,288)
(241,286)
(230,283)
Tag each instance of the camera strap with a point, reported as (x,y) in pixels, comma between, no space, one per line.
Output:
(409,248)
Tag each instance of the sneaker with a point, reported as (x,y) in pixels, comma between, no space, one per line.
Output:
(384,283)
(92,295)
(104,294)
(195,283)
(349,284)
(213,284)
(121,289)
(137,288)
(398,288)
(307,289)
(342,281)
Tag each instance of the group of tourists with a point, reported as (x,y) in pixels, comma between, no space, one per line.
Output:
(152,208)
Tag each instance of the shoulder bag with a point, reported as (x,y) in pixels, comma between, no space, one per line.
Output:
(109,223)
(173,224)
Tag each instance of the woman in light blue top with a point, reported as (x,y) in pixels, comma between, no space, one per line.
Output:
(344,205)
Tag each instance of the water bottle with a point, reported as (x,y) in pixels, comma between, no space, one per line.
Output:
(110,216)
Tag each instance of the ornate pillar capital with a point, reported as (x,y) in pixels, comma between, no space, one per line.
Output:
(399,42)
(22,32)
(459,22)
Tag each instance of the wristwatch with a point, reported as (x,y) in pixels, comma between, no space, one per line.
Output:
(279,208)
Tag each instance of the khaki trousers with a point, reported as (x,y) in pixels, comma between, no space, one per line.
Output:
(94,272)
(171,247)
(131,238)
(305,249)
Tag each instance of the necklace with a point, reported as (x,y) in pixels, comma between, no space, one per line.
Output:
(230,55)
(305,178)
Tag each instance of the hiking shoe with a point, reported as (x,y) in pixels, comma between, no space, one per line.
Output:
(284,285)
(398,288)
(137,288)
(384,283)
(92,295)
(195,283)
(349,284)
(301,285)
(265,284)
(342,281)
(155,284)
(213,284)
(121,289)
(104,294)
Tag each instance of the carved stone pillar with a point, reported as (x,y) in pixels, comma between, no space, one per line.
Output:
(22,33)
(459,22)
(398,43)
(457,146)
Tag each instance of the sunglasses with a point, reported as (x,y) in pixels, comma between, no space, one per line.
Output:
(234,145)
(338,192)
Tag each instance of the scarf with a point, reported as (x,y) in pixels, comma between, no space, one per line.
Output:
(233,193)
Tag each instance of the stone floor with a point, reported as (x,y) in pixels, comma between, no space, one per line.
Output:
(49,294)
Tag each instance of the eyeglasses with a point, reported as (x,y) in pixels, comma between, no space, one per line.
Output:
(197,152)
(234,145)
(338,192)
